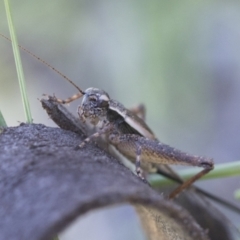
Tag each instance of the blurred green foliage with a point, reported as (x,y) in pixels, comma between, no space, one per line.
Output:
(237,194)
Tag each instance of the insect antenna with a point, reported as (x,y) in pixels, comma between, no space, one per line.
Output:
(47,64)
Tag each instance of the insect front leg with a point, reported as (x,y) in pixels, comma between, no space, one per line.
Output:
(66,101)
(105,129)
(80,114)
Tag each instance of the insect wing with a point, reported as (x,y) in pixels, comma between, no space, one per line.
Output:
(132,119)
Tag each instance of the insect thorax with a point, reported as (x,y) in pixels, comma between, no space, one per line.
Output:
(94,105)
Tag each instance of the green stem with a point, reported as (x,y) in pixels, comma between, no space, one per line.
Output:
(18,63)
(220,170)
(2,121)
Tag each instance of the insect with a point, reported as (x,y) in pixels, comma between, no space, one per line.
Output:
(128,133)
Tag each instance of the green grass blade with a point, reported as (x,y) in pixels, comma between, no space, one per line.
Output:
(220,171)
(2,121)
(18,63)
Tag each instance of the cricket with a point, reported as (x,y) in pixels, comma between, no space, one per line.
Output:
(126,130)
(130,135)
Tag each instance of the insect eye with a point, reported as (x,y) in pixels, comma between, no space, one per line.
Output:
(93,99)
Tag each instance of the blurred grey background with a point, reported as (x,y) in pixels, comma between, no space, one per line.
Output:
(180,58)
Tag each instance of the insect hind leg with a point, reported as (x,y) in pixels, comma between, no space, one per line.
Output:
(189,182)
(156,152)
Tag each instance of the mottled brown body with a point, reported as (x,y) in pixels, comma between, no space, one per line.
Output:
(131,136)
